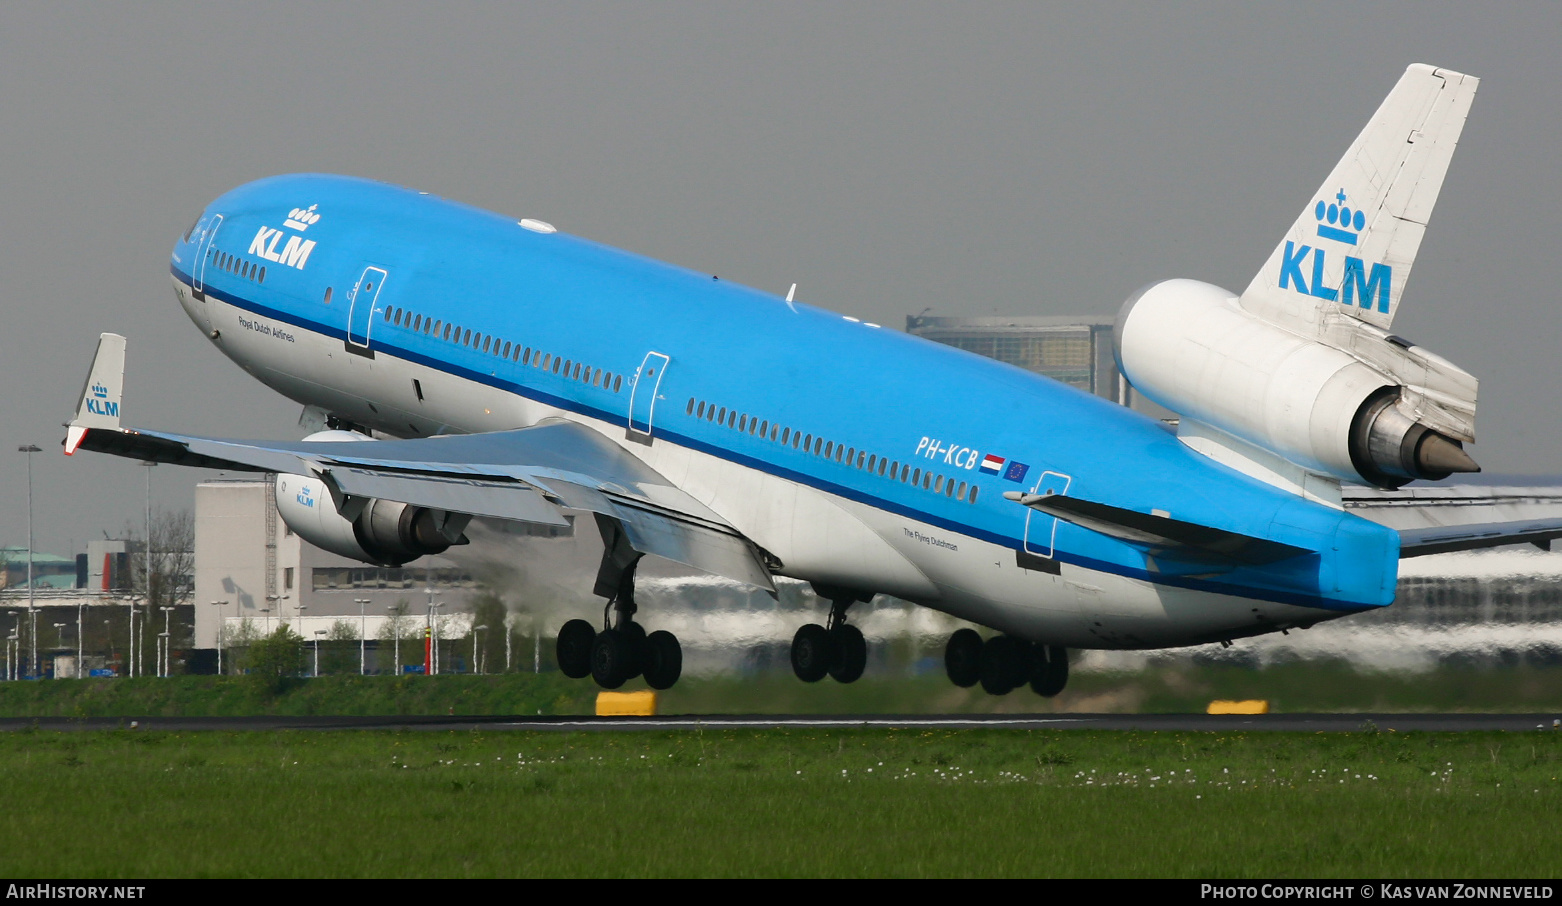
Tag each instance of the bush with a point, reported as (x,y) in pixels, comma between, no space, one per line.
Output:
(271,662)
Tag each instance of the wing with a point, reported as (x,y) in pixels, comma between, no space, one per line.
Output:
(1444,539)
(1161,535)
(524,475)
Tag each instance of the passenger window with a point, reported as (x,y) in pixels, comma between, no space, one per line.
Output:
(447,331)
(818,445)
(872,461)
(618,381)
(938,485)
(722,416)
(973,493)
(743,423)
(596,379)
(785,435)
(916,476)
(764,430)
(829,447)
(556,363)
(732,419)
(961,492)
(263,273)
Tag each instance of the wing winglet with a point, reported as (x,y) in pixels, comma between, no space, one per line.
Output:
(98,405)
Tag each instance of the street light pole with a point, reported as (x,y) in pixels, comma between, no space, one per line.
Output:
(30,449)
(362,657)
(81,624)
(434,610)
(218,605)
(318,634)
(59,635)
(475,631)
(168,634)
(396,631)
(148,568)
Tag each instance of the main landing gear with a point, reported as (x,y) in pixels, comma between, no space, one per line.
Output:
(623,649)
(836,649)
(1004,663)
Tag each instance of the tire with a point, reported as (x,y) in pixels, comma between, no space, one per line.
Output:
(1051,673)
(638,652)
(572,650)
(611,655)
(999,655)
(1022,655)
(663,659)
(850,656)
(811,653)
(963,658)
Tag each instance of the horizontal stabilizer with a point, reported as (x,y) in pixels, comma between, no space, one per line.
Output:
(1445,539)
(1160,534)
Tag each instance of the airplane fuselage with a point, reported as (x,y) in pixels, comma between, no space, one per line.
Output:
(855,455)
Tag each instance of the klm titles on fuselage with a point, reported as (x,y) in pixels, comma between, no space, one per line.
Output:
(295,253)
(1360,286)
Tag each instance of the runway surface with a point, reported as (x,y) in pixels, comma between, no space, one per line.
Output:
(1223,723)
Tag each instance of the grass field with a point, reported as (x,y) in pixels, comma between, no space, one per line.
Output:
(1299,687)
(780,803)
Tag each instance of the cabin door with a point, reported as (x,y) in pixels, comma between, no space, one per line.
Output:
(361,308)
(643,396)
(205,233)
(1041,530)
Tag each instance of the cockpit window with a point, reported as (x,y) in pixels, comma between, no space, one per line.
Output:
(191,231)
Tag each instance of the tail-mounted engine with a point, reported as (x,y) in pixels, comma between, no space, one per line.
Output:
(1360,405)
(383,532)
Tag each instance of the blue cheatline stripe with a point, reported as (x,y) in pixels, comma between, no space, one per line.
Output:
(770,468)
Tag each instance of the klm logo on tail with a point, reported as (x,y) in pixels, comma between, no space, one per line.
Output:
(1339,223)
(98,402)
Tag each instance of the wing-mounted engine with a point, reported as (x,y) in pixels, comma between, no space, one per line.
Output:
(383,532)
(1194,349)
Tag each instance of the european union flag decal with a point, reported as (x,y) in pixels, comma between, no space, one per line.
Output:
(1016,471)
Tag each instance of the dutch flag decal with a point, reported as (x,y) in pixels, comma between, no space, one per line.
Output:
(992,465)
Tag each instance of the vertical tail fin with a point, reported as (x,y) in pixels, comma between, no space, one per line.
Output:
(1351,250)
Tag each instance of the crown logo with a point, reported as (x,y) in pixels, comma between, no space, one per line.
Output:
(99,391)
(301,218)
(1337,221)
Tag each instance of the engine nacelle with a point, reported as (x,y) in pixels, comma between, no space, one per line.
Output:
(384,532)
(1192,348)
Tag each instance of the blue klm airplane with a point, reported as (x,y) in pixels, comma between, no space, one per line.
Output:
(471,364)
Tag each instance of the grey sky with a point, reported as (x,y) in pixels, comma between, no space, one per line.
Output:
(888,157)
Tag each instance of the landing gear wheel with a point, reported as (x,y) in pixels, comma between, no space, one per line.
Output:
(663,659)
(612,658)
(850,654)
(963,658)
(1002,661)
(573,649)
(635,633)
(1050,673)
(811,650)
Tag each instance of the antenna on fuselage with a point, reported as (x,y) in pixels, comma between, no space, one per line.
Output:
(790,294)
